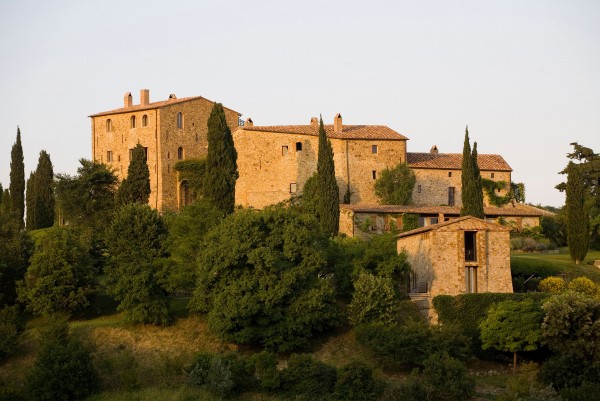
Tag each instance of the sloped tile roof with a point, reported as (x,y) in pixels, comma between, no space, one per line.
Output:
(453,161)
(516,210)
(348,131)
(151,106)
(451,222)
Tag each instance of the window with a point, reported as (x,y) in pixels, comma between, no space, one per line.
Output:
(284,150)
(492,175)
(109,125)
(144,120)
(374,174)
(132,122)
(180,120)
(471,279)
(418,189)
(168,155)
(470,246)
(374,149)
(180,153)
(298,146)
(449,173)
(450,196)
(293,188)
(109,156)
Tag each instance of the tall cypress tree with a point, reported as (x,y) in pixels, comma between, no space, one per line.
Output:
(328,201)
(221,162)
(6,203)
(30,198)
(17,180)
(472,195)
(578,224)
(44,192)
(136,187)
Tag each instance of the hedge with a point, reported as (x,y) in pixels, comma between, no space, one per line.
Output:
(468,310)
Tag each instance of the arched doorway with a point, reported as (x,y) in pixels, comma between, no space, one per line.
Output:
(184,194)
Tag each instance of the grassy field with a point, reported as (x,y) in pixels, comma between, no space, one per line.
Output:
(550,264)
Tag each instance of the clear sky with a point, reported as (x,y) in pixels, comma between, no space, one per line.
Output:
(523,74)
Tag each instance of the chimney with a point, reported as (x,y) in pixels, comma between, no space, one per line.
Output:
(127,100)
(314,122)
(172,96)
(249,122)
(144,97)
(337,123)
(434,150)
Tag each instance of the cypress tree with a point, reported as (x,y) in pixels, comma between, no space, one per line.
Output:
(17,180)
(221,167)
(328,201)
(472,195)
(44,192)
(30,217)
(578,226)
(136,187)
(6,203)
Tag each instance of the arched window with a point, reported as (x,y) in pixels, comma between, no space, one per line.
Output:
(144,120)
(184,194)
(180,120)
(109,125)
(180,153)
(132,125)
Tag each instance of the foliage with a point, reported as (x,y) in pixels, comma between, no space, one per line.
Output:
(577,214)
(186,232)
(17,180)
(522,388)
(446,378)
(310,195)
(11,325)
(222,375)
(193,171)
(552,284)
(586,392)
(374,299)
(30,201)
(355,382)
(135,241)
(261,279)
(555,228)
(490,187)
(512,326)
(567,370)
(305,378)
(136,187)
(328,201)
(395,185)
(469,310)
(472,195)
(584,286)
(43,193)
(263,368)
(517,191)
(410,221)
(60,277)
(15,250)
(221,168)
(63,369)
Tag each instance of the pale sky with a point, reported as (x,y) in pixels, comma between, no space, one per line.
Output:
(524,75)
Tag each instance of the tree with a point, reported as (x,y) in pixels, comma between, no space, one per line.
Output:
(30,198)
(221,167)
(512,326)
(472,195)
(60,277)
(6,203)
(15,249)
(373,299)
(17,180)
(395,185)
(261,279)
(578,228)
(135,243)
(328,201)
(136,187)
(44,192)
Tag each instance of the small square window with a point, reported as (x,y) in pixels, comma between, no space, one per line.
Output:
(373,149)
(492,175)
(109,156)
(374,174)
(293,188)
(284,150)
(298,146)
(449,173)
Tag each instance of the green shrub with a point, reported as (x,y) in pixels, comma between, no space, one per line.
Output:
(447,379)
(586,392)
(355,382)
(569,371)
(305,378)
(585,286)
(263,368)
(373,299)
(222,375)
(522,388)
(412,389)
(11,325)
(200,368)
(552,285)
(450,338)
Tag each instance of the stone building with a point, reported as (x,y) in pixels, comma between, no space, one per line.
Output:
(169,130)
(464,255)
(274,162)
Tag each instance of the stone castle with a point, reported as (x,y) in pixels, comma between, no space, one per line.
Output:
(274,162)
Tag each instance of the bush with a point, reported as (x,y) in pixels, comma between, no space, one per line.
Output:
(200,368)
(373,300)
(521,388)
(585,286)
(11,325)
(412,389)
(221,375)
(586,392)
(569,371)
(355,382)
(447,378)
(263,368)
(305,378)
(552,285)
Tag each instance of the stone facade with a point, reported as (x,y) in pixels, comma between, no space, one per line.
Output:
(170,130)
(274,162)
(457,257)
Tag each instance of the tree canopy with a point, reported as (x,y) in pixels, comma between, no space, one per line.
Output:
(40,194)
(17,180)
(578,223)
(395,185)
(136,187)
(328,200)
(472,191)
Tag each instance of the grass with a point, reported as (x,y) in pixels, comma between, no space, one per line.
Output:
(549,264)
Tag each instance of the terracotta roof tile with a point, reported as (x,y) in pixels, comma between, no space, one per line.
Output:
(453,161)
(154,105)
(348,131)
(516,210)
(448,223)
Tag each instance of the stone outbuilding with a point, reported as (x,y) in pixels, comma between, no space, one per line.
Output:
(464,255)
